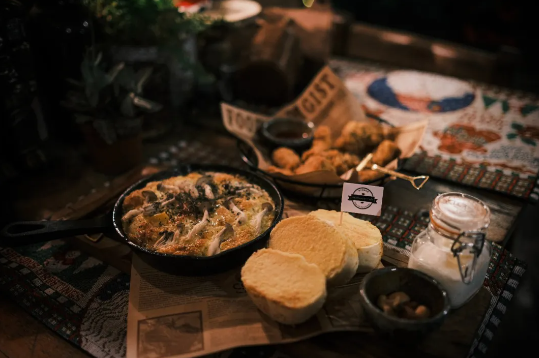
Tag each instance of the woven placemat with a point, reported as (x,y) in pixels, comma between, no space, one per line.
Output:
(491,143)
(85,300)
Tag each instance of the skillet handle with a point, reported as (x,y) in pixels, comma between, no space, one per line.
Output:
(244,148)
(30,232)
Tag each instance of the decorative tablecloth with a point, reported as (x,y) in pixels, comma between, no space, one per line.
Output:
(85,300)
(478,135)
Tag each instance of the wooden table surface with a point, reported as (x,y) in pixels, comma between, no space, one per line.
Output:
(21,336)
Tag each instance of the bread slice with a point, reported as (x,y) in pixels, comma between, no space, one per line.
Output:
(320,243)
(366,237)
(284,286)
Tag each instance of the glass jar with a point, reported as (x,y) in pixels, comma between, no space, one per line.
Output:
(453,249)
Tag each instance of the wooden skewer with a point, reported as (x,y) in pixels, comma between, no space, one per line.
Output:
(380,169)
(364,162)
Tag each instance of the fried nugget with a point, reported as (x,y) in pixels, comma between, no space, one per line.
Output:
(314,163)
(323,134)
(351,160)
(274,169)
(347,143)
(341,161)
(385,153)
(337,160)
(321,142)
(359,137)
(285,158)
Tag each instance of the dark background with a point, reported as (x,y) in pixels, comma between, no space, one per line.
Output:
(494,26)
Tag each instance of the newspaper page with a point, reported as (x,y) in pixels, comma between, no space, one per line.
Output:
(180,316)
(184,316)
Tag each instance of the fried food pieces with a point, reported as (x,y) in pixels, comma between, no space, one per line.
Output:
(359,137)
(385,153)
(341,161)
(356,140)
(314,163)
(285,158)
(277,170)
(321,142)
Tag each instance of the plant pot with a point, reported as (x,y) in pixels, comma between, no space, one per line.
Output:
(115,158)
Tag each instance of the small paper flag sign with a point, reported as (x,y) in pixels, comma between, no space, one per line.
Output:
(362,199)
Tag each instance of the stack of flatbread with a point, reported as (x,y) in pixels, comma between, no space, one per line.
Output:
(306,254)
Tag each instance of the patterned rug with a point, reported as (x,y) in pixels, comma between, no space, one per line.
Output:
(478,135)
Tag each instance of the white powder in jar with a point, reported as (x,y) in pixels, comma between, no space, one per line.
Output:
(439,263)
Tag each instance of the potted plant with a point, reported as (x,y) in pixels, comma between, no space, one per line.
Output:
(108,107)
(152,31)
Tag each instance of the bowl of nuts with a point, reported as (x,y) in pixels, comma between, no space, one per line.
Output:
(402,303)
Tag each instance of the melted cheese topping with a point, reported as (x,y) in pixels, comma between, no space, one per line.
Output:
(184,215)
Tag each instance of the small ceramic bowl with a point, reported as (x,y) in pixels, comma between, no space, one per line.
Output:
(287,132)
(420,287)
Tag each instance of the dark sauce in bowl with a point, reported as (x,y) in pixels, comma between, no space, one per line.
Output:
(288,132)
(291,134)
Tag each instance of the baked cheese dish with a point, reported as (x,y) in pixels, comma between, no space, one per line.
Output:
(199,214)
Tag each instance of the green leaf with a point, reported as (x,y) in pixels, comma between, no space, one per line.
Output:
(98,59)
(511,135)
(144,22)
(116,88)
(528,141)
(115,71)
(105,130)
(92,95)
(81,118)
(146,104)
(86,70)
(100,79)
(127,108)
(308,3)
(126,79)
(142,77)
(75,83)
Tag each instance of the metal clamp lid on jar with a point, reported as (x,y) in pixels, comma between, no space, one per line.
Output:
(468,233)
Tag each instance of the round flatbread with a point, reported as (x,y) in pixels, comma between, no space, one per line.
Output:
(320,243)
(284,286)
(365,236)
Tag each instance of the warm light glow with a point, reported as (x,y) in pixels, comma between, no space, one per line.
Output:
(443,51)
(190,6)
(397,38)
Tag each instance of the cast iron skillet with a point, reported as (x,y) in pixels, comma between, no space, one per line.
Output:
(27,232)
